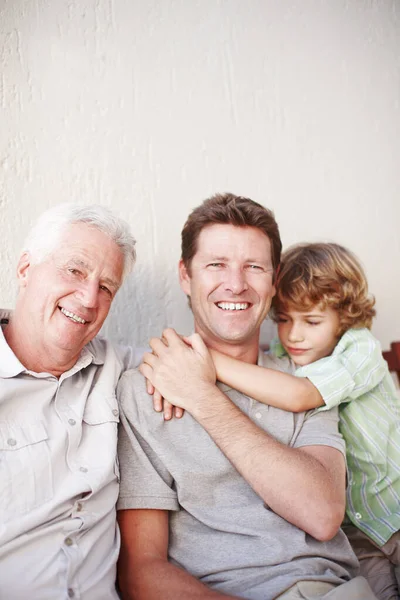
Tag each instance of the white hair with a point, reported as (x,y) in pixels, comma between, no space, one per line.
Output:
(45,234)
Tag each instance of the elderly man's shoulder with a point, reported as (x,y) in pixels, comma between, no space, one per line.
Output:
(103,350)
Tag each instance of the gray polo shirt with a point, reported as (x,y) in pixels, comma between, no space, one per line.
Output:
(220,529)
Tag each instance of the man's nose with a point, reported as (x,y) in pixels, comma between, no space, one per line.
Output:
(88,294)
(296,333)
(235,281)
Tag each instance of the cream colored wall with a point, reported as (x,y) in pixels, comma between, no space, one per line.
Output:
(150,106)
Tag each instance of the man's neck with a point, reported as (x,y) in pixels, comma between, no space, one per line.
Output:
(29,356)
(246,352)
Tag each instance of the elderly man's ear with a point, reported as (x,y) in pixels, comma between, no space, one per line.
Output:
(23,267)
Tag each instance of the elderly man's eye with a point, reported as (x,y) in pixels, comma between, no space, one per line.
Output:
(106,289)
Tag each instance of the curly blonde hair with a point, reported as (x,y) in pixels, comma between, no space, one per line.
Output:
(324,274)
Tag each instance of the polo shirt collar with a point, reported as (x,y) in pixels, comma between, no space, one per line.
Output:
(260,362)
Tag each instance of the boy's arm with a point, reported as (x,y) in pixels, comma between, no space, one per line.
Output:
(144,572)
(294,394)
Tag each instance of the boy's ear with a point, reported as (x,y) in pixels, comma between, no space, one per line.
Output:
(23,268)
(184,278)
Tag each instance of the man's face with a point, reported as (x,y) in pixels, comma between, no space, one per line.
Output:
(230,284)
(65,299)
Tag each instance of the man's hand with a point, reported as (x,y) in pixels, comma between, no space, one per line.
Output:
(181,370)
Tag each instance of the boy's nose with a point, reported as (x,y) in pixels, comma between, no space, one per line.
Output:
(296,333)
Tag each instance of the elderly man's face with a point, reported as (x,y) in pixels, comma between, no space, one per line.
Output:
(67,296)
(230,284)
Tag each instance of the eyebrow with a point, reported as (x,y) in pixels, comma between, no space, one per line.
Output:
(213,258)
(84,265)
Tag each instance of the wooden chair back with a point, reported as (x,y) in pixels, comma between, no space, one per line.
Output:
(392,358)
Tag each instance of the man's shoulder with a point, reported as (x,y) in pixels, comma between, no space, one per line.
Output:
(102,349)
(278,363)
(132,392)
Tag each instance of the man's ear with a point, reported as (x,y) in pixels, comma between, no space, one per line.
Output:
(184,278)
(23,267)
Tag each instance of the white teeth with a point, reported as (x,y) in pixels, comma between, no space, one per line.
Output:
(232,305)
(72,316)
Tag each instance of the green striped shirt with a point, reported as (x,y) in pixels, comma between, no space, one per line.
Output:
(356,376)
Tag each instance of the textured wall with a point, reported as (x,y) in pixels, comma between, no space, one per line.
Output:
(151,106)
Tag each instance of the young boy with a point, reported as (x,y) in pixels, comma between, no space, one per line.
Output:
(324,313)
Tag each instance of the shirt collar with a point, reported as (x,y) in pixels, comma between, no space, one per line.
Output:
(10,366)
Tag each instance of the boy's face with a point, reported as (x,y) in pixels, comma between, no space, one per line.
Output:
(310,335)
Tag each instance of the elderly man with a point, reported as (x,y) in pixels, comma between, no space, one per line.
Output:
(58,410)
(237,499)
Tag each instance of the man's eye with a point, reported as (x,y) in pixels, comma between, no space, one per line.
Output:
(255,268)
(215,265)
(73,271)
(106,289)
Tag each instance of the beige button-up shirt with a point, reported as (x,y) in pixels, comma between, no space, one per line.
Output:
(59,476)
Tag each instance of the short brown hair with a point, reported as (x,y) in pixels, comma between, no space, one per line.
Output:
(324,274)
(231,210)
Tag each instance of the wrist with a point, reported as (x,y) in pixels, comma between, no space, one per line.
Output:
(208,402)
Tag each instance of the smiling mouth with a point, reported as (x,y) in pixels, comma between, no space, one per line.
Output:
(233,306)
(75,318)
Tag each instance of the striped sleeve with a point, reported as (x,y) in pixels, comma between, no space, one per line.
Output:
(355,367)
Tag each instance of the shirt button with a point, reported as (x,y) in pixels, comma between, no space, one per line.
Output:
(358,516)
(115,412)
(68,541)
(83,469)
(72,421)
(11,442)
(258,415)
(71,593)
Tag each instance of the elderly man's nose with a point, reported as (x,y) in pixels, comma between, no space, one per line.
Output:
(88,294)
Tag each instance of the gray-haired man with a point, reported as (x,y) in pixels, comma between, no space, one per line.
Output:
(58,410)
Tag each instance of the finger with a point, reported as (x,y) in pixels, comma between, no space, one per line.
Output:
(198,344)
(150,388)
(157,401)
(187,340)
(146,371)
(167,410)
(149,358)
(178,412)
(171,337)
(157,345)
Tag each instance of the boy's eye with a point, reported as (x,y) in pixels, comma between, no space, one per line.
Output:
(215,265)
(313,322)
(281,319)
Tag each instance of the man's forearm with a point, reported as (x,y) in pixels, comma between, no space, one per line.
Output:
(292,482)
(156,578)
